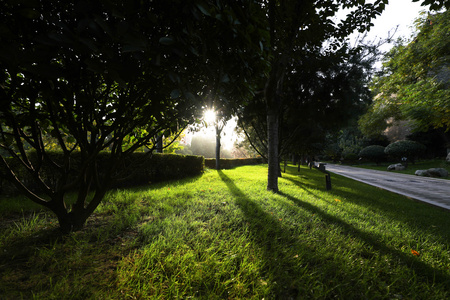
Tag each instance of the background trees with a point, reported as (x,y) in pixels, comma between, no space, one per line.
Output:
(323,92)
(415,80)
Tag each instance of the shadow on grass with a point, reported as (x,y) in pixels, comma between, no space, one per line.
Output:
(278,245)
(419,267)
(377,200)
(275,241)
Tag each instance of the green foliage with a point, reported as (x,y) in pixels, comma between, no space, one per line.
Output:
(415,80)
(232,163)
(350,157)
(98,76)
(405,148)
(373,153)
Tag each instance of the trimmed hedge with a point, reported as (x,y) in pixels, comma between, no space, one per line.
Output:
(405,148)
(229,163)
(374,153)
(350,157)
(143,169)
(136,169)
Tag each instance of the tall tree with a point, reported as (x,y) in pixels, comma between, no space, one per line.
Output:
(296,26)
(231,62)
(322,93)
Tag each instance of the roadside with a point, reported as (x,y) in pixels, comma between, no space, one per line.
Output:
(430,190)
(419,165)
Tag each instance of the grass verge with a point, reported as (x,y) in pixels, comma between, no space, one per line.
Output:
(222,235)
(420,165)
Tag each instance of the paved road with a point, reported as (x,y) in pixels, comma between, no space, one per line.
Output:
(431,190)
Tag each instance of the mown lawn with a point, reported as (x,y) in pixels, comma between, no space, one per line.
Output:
(223,236)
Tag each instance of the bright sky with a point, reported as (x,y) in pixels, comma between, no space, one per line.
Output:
(401,13)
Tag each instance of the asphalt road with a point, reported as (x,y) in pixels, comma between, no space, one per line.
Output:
(430,190)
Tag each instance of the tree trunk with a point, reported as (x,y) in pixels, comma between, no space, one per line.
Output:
(159,144)
(274,166)
(68,221)
(218,131)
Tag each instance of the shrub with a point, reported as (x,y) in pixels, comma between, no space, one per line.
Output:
(228,163)
(374,153)
(350,157)
(405,148)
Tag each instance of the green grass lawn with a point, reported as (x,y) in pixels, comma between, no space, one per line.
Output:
(223,236)
(420,165)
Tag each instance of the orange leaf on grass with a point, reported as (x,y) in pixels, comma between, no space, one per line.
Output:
(337,200)
(414,252)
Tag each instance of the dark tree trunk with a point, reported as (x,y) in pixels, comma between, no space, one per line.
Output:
(272,141)
(159,144)
(218,132)
(74,218)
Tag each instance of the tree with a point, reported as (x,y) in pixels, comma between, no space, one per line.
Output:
(230,64)
(114,76)
(295,26)
(415,80)
(94,76)
(323,92)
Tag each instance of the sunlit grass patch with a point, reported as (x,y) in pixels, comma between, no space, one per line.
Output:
(223,235)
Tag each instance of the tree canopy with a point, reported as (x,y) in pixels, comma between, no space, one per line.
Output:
(415,80)
(322,94)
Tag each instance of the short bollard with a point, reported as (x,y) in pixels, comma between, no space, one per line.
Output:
(321,168)
(328,182)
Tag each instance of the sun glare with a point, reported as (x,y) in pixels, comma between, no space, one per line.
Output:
(209,116)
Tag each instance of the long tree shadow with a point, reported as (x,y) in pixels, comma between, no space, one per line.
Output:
(378,200)
(275,240)
(432,274)
(268,233)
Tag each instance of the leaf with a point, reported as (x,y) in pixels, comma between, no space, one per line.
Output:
(414,252)
(225,78)
(175,94)
(167,41)
(203,10)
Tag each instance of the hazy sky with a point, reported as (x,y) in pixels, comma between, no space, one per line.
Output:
(397,12)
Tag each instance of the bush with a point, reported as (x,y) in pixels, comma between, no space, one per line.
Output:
(374,153)
(228,163)
(142,168)
(350,157)
(405,148)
